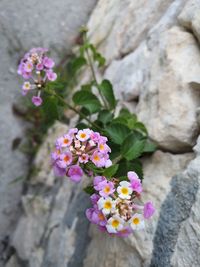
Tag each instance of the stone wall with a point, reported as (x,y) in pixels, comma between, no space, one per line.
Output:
(153,56)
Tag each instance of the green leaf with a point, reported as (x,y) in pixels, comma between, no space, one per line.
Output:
(132,147)
(109,172)
(117,132)
(107,91)
(50,108)
(141,127)
(105,116)
(97,56)
(77,63)
(126,166)
(149,147)
(88,100)
(89,190)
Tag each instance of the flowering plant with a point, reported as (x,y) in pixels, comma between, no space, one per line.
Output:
(106,144)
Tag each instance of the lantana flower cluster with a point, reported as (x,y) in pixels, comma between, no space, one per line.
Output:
(37,69)
(76,148)
(117,208)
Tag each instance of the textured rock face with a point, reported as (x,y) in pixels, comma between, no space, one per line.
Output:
(154,63)
(136,250)
(25,24)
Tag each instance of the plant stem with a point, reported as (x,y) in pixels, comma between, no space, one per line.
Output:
(117,159)
(93,72)
(75,110)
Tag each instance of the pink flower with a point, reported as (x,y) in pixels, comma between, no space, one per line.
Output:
(98,159)
(148,210)
(48,62)
(72,131)
(52,76)
(96,216)
(97,180)
(39,66)
(65,160)
(106,188)
(135,182)
(108,163)
(37,100)
(75,173)
(64,141)
(94,198)
(104,148)
(59,171)
(83,135)
(125,232)
(83,158)
(132,176)
(28,66)
(95,136)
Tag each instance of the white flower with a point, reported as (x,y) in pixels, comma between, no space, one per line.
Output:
(83,135)
(137,222)
(124,190)
(106,205)
(114,224)
(26,86)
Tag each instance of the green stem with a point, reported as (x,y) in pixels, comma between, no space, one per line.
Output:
(93,72)
(117,159)
(75,110)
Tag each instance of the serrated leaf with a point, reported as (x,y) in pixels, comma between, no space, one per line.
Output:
(149,147)
(107,90)
(77,63)
(88,100)
(109,172)
(132,147)
(117,132)
(141,127)
(105,116)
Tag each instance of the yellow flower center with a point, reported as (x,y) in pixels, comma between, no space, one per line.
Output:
(115,223)
(96,158)
(124,191)
(136,221)
(83,135)
(107,205)
(66,158)
(66,141)
(106,189)
(101,147)
(101,217)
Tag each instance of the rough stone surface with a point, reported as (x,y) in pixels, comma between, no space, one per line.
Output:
(24,24)
(136,250)
(154,63)
(53,230)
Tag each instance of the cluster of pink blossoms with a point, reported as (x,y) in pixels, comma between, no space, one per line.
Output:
(75,149)
(116,205)
(37,68)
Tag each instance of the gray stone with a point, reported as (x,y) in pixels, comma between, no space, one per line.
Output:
(136,250)
(24,24)
(190,17)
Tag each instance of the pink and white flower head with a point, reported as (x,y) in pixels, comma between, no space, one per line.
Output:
(36,66)
(75,149)
(119,205)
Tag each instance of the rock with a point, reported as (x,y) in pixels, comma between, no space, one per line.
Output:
(186,251)
(171,120)
(53,229)
(136,250)
(176,240)
(190,17)
(126,23)
(23,25)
